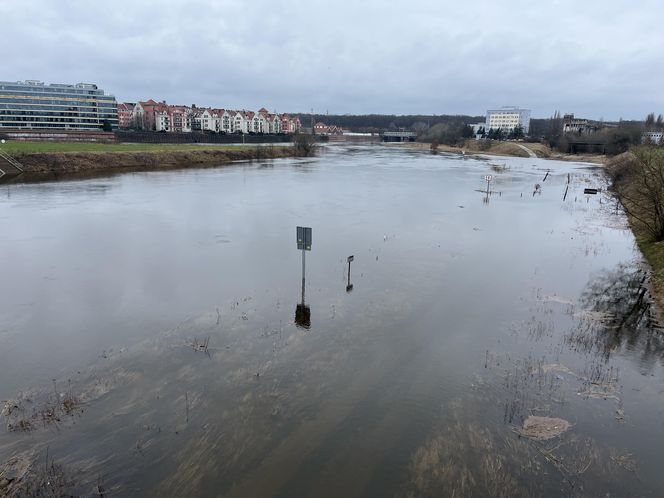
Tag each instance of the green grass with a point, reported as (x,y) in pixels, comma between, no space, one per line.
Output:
(19,147)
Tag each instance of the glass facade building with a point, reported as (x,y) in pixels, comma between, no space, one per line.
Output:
(32,104)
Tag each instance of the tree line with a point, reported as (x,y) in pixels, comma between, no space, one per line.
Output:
(378,123)
(611,138)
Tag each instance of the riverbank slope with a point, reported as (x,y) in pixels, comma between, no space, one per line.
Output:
(58,157)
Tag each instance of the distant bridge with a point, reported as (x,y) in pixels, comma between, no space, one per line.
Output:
(587,146)
(399,136)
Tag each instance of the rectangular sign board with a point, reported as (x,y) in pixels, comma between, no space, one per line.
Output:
(304,238)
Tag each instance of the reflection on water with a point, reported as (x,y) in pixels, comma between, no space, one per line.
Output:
(303,316)
(142,357)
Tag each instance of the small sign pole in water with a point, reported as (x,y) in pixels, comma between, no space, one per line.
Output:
(304,244)
(302,311)
(488,179)
(349,286)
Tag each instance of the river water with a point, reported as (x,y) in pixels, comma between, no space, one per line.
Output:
(468,314)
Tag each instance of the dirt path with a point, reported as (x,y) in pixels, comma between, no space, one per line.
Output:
(530,152)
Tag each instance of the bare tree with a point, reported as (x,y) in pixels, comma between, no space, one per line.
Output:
(638,181)
(304,145)
(650,121)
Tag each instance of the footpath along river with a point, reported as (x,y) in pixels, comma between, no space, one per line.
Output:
(491,345)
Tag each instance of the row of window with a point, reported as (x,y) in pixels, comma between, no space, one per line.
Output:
(23,112)
(8,99)
(75,126)
(82,114)
(33,119)
(50,91)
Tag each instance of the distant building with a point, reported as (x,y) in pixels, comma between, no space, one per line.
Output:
(180,118)
(172,118)
(162,121)
(33,104)
(239,122)
(290,125)
(159,116)
(225,121)
(145,114)
(652,137)
(323,129)
(508,118)
(584,126)
(126,115)
(579,125)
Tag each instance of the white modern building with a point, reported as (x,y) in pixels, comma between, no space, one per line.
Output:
(508,118)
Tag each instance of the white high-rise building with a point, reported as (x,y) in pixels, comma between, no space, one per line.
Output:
(507,118)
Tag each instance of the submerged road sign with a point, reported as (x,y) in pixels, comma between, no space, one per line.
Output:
(304,238)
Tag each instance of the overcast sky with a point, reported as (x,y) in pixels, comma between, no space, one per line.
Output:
(596,58)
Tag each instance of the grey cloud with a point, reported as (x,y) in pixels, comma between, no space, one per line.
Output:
(598,59)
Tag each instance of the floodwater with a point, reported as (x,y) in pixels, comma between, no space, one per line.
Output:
(148,344)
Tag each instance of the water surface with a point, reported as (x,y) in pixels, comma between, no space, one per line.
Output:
(468,313)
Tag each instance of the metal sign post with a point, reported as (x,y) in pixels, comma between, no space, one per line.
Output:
(302,312)
(349,286)
(303,243)
(487,193)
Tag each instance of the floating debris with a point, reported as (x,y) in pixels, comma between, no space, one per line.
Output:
(557,367)
(543,428)
(22,475)
(600,392)
(554,298)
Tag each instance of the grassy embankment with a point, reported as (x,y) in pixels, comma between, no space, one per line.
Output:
(26,147)
(42,157)
(499,148)
(654,254)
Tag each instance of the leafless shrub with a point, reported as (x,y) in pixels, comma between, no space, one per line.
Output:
(304,145)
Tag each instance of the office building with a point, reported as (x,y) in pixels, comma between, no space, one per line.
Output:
(34,105)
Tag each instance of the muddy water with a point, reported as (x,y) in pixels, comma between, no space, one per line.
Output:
(468,314)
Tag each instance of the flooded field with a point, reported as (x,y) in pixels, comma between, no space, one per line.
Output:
(492,344)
